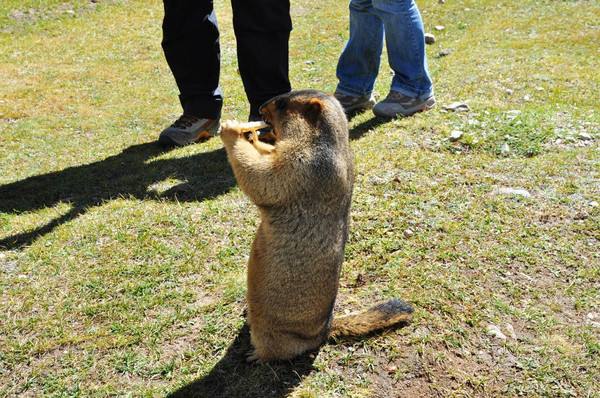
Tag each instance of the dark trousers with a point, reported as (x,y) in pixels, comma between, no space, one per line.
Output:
(191,45)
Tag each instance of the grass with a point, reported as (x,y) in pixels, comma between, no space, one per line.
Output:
(122,266)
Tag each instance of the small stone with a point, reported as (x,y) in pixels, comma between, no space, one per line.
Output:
(593,203)
(9,267)
(309,62)
(585,136)
(429,38)
(504,149)
(377,180)
(508,91)
(510,331)
(457,107)
(441,1)
(408,233)
(513,191)
(455,135)
(513,113)
(527,97)
(483,356)
(444,53)
(439,27)
(391,369)
(494,331)
(16,14)
(593,319)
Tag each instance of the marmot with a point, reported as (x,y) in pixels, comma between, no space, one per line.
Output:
(302,186)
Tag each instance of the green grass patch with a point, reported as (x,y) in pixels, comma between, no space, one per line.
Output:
(122,265)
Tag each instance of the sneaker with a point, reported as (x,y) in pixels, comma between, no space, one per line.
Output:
(355,103)
(396,104)
(188,129)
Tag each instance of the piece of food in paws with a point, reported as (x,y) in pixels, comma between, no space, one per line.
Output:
(249,129)
(255,125)
(248,126)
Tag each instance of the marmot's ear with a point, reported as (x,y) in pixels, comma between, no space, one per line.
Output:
(314,107)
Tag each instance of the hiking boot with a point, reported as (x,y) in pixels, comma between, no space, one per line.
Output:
(188,129)
(396,104)
(355,103)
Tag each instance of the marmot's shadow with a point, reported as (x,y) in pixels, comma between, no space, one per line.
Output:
(232,377)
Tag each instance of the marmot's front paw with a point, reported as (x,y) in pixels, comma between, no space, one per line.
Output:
(230,131)
(231,128)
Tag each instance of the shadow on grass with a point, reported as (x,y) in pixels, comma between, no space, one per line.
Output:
(361,129)
(128,174)
(232,377)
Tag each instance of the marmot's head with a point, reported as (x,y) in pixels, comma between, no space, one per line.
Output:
(302,110)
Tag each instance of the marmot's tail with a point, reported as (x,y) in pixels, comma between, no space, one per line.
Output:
(381,316)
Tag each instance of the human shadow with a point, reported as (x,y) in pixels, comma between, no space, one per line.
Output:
(131,173)
(362,128)
(233,377)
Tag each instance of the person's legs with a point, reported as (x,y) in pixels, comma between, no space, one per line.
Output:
(359,63)
(405,43)
(191,46)
(262,30)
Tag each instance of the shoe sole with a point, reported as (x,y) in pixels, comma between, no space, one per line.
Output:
(427,105)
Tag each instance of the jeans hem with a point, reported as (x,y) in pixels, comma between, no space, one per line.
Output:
(412,93)
(202,106)
(345,90)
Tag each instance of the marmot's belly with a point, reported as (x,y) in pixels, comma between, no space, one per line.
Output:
(294,296)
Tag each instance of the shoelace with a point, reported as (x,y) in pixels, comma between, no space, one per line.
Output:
(349,99)
(397,96)
(185,121)
(401,99)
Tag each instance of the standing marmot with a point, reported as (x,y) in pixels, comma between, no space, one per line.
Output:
(302,186)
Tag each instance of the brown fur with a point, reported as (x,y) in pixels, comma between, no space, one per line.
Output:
(302,186)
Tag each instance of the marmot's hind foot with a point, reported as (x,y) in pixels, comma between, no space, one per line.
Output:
(252,357)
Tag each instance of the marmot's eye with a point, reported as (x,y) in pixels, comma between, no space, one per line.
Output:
(280,104)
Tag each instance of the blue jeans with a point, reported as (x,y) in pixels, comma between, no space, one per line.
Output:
(401,22)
